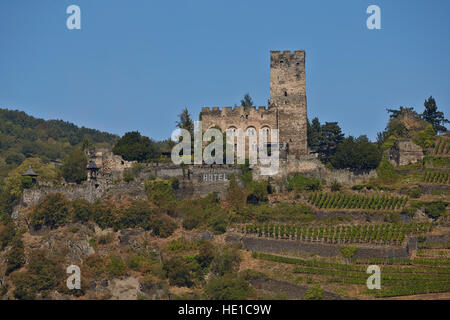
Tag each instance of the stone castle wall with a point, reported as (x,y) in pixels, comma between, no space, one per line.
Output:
(286,111)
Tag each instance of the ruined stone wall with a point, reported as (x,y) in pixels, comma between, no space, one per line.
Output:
(405,152)
(288,95)
(311,166)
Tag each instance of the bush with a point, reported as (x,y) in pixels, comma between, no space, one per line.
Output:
(228,287)
(163,226)
(160,192)
(226,261)
(44,274)
(386,172)
(335,186)
(116,267)
(348,251)
(15,258)
(81,210)
(52,211)
(301,183)
(435,209)
(258,191)
(414,193)
(180,271)
(235,195)
(103,215)
(314,293)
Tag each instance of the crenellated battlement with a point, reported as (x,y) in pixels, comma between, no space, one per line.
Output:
(233,110)
(287,107)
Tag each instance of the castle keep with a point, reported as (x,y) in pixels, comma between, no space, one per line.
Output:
(286,110)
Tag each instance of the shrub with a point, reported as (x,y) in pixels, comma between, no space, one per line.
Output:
(52,211)
(103,215)
(116,267)
(348,251)
(258,191)
(235,195)
(314,293)
(386,172)
(160,192)
(435,209)
(44,274)
(301,183)
(81,210)
(226,261)
(163,226)
(228,287)
(128,175)
(180,271)
(335,186)
(15,258)
(414,193)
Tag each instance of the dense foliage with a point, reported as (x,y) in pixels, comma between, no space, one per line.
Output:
(356,154)
(23,136)
(134,147)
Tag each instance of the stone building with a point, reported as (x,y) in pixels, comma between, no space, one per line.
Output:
(405,152)
(286,111)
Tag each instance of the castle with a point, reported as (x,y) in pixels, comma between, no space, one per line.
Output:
(286,110)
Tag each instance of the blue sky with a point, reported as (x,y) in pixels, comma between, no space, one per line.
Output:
(135,64)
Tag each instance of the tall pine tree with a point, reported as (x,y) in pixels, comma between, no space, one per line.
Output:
(433,116)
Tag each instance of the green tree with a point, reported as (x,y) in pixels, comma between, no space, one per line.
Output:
(16,256)
(314,133)
(44,274)
(433,116)
(247,101)
(52,212)
(185,121)
(134,147)
(356,154)
(81,210)
(74,166)
(329,139)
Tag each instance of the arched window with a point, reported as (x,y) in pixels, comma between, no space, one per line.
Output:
(232,131)
(265,131)
(251,131)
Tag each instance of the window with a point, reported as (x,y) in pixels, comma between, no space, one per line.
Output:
(265,131)
(231,131)
(251,131)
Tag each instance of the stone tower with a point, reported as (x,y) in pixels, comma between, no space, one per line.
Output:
(288,96)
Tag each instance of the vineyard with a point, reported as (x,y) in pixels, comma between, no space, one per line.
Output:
(324,200)
(380,234)
(441,146)
(404,279)
(441,177)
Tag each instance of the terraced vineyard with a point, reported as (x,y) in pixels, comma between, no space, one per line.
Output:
(436,176)
(396,280)
(325,200)
(441,146)
(381,234)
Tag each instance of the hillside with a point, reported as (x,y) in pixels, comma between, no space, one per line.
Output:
(23,136)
